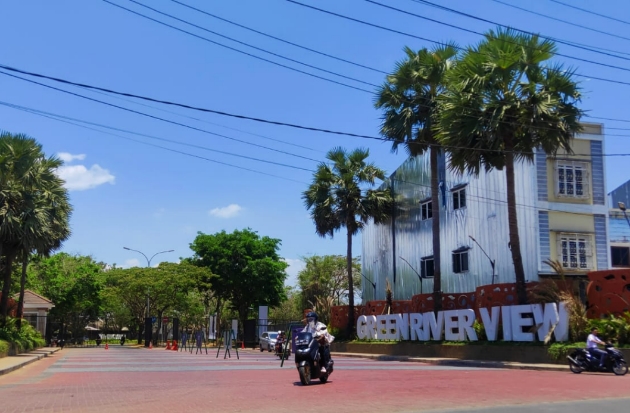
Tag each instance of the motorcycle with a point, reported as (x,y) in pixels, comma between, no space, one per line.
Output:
(308,359)
(581,360)
(279,350)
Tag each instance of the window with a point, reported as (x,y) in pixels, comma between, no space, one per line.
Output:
(459,198)
(620,256)
(426,267)
(426,208)
(460,260)
(572,179)
(574,251)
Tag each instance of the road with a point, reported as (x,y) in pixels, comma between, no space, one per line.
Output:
(142,380)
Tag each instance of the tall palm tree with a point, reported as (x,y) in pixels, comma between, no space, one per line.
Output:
(409,100)
(504,100)
(338,198)
(34,208)
(45,218)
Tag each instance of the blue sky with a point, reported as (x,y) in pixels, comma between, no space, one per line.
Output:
(126,193)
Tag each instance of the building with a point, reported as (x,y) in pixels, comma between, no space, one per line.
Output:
(36,310)
(619,225)
(562,215)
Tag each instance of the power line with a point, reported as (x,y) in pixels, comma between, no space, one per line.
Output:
(561,20)
(291,125)
(215,124)
(591,12)
(161,147)
(279,39)
(241,51)
(158,118)
(205,148)
(555,39)
(429,40)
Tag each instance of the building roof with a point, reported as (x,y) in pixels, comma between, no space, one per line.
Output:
(34,299)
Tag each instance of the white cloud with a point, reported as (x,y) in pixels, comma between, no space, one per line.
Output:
(132,262)
(68,157)
(295,266)
(79,178)
(229,211)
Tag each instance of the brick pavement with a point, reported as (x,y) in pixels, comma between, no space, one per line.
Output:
(140,380)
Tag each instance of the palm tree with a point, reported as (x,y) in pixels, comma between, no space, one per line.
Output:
(45,220)
(503,102)
(34,208)
(337,198)
(409,100)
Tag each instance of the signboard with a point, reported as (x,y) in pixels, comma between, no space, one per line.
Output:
(517,322)
(165,320)
(153,320)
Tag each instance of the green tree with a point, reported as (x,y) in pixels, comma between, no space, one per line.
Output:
(248,268)
(167,287)
(289,309)
(411,111)
(504,100)
(327,276)
(73,283)
(338,198)
(34,207)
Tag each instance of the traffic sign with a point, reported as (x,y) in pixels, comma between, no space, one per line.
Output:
(165,319)
(153,320)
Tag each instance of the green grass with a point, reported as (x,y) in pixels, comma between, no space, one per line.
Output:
(4,348)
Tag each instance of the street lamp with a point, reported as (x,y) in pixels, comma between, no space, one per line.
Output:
(492,262)
(414,270)
(146,342)
(622,207)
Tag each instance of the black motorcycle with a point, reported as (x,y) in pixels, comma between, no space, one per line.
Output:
(308,359)
(581,360)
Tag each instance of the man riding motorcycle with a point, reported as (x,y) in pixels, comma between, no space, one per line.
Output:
(591,345)
(320,332)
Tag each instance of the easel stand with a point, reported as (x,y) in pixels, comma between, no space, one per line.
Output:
(228,339)
(199,339)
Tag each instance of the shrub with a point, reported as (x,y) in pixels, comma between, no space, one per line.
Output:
(27,338)
(480,330)
(4,348)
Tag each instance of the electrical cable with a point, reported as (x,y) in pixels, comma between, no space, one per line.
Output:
(164,148)
(279,39)
(561,20)
(432,41)
(157,117)
(205,148)
(216,112)
(555,39)
(243,52)
(591,12)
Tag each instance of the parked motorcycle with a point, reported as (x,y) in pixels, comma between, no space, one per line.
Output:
(308,360)
(581,360)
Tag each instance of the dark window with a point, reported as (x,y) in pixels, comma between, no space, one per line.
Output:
(426,267)
(460,262)
(459,198)
(620,256)
(427,210)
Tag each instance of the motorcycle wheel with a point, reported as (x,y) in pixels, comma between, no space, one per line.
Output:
(324,378)
(305,375)
(575,368)
(620,368)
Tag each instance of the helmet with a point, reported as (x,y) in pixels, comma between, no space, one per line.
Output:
(311,317)
(279,331)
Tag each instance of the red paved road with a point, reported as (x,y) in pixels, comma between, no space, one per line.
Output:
(139,380)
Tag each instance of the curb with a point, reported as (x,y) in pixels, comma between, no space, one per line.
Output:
(458,362)
(28,358)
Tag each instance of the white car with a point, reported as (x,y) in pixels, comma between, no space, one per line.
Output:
(268,340)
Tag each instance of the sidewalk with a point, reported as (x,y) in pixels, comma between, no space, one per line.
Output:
(11,363)
(460,363)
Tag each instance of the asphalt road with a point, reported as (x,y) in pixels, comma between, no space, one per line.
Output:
(142,380)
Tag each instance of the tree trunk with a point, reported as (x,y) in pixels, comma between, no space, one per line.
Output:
(350,328)
(6,287)
(20,309)
(515,242)
(435,229)
(140,331)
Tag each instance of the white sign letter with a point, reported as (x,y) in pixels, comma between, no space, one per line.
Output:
(545,321)
(518,322)
(506,318)
(436,326)
(491,325)
(450,325)
(562,328)
(465,325)
(362,331)
(417,333)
